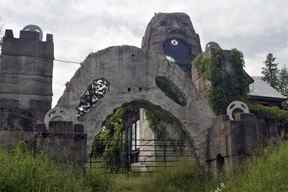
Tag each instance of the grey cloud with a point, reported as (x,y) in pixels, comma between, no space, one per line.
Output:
(81,26)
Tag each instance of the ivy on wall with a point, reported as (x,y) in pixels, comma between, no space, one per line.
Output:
(171,90)
(109,143)
(159,122)
(229,81)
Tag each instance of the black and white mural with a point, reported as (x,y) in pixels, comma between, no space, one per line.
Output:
(94,92)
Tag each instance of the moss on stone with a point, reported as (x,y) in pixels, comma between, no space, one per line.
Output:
(229,82)
(171,90)
(108,143)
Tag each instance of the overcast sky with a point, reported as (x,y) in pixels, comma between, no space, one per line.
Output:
(255,27)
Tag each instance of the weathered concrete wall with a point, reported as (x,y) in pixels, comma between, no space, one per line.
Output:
(238,139)
(65,143)
(132,73)
(26,68)
(28,44)
(201,84)
(164,26)
(11,138)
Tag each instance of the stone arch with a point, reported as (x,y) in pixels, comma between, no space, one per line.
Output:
(131,68)
(175,138)
(165,116)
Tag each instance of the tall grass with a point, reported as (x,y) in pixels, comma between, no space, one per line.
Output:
(185,176)
(268,173)
(265,173)
(20,171)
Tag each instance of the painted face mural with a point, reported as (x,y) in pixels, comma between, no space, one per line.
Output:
(173,35)
(179,51)
(95,91)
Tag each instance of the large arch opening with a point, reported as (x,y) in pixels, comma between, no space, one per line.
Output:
(141,133)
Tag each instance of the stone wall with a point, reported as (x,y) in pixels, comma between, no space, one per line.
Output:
(201,84)
(164,26)
(132,74)
(26,69)
(65,143)
(28,44)
(234,141)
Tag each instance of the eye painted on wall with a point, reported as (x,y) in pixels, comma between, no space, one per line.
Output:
(180,51)
(171,90)
(174,42)
(94,92)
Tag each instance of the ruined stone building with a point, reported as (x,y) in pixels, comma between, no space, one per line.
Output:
(26,76)
(158,78)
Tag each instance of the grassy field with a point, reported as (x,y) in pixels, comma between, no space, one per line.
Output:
(268,173)
(22,172)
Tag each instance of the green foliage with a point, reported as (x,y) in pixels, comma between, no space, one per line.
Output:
(171,90)
(270,71)
(97,181)
(283,81)
(217,100)
(272,113)
(267,173)
(229,82)
(20,171)
(203,63)
(154,123)
(186,176)
(108,142)
(278,79)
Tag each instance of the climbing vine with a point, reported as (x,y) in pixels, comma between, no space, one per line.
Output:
(154,121)
(108,141)
(229,81)
(171,90)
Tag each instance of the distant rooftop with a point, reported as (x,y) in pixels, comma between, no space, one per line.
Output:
(261,88)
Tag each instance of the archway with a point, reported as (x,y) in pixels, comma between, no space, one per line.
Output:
(134,74)
(140,131)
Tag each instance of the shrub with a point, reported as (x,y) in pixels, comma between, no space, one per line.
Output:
(225,71)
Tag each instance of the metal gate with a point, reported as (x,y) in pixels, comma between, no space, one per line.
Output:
(143,156)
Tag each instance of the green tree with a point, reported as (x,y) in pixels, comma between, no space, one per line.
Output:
(270,71)
(283,81)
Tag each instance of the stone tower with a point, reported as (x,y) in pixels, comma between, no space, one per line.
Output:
(26,66)
(173,35)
